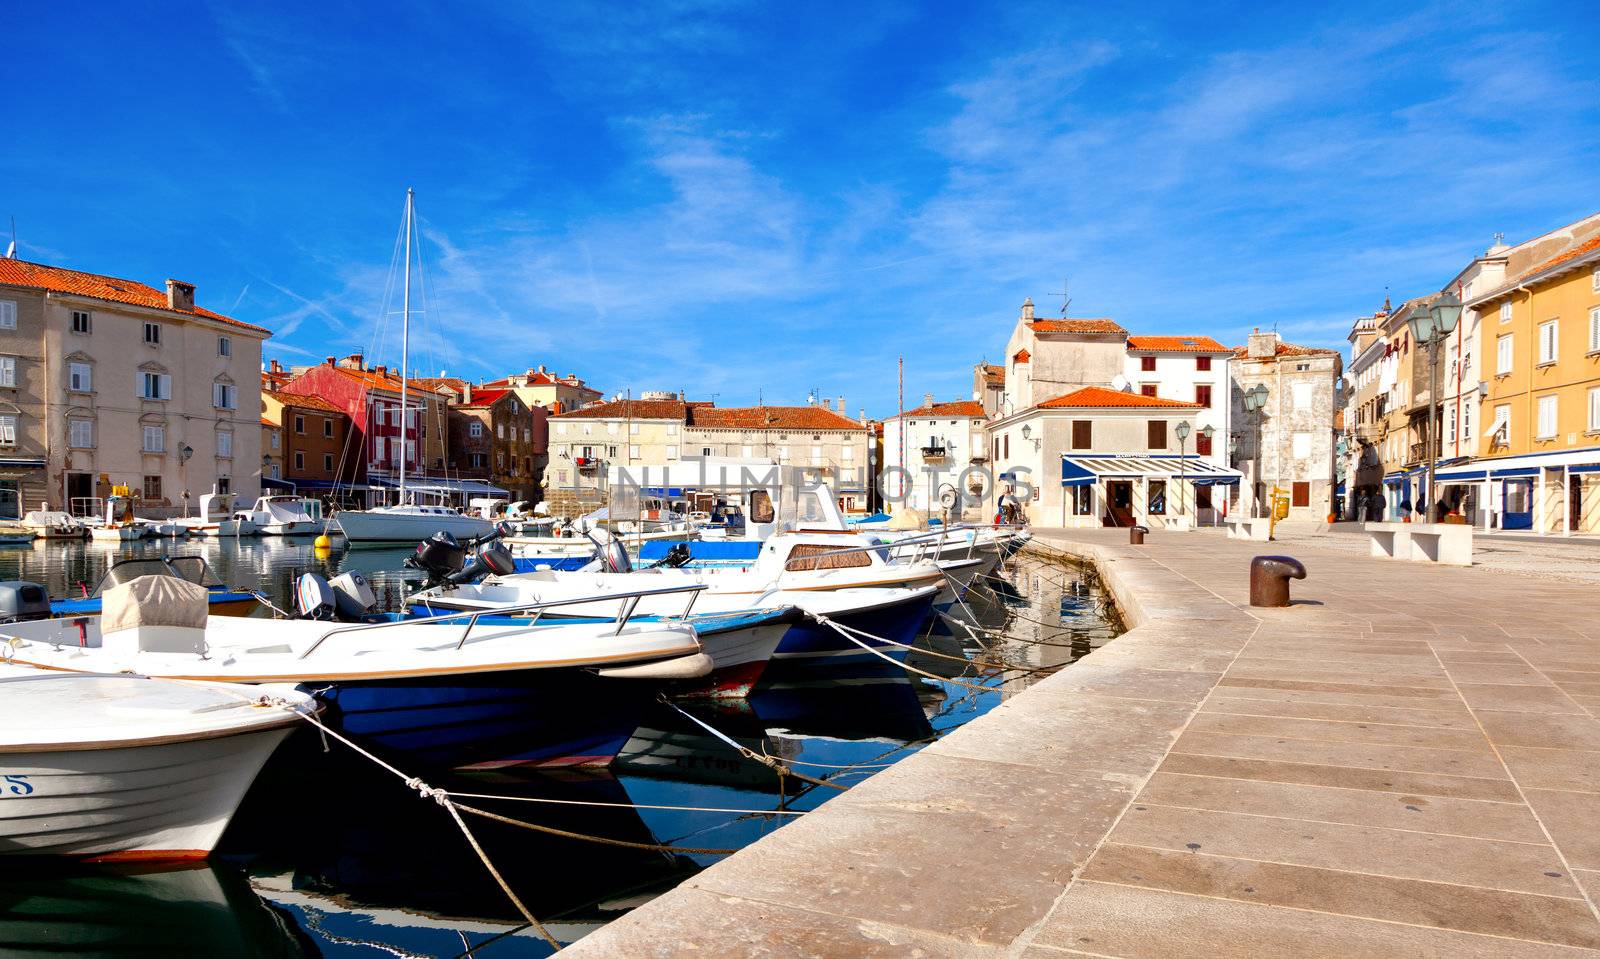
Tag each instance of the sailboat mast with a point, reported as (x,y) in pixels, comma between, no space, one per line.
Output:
(405,348)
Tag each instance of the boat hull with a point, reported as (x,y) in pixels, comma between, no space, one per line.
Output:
(810,647)
(164,801)
(375,527)
(546,718)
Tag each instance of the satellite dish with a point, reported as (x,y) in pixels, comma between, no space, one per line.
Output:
(1120,383)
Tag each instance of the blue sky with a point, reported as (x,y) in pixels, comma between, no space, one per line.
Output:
(757,199)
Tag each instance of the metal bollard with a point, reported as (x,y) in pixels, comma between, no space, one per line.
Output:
(1269,579)
(1136,535)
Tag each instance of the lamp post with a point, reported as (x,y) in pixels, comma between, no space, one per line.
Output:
(1207,432)
(1255,401)
(1182,430)
(1432,327)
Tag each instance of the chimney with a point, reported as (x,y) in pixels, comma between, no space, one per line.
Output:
(1027,310)
(466,392)
(863,416)
(541,368)
(927,399)
(840,407)
(332,361)
(277,367)
(827,403)
(1262,345)
(355,361)
(180,296)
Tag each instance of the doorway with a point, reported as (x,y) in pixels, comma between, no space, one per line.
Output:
(80,493)
(1119,502)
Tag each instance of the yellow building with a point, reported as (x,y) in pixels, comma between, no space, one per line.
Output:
(1538,462)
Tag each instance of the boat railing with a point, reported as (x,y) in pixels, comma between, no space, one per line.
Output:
(629,603)
(923,547)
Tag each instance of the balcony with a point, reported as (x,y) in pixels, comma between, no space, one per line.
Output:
(589,464)
(934,453)
(1419,452)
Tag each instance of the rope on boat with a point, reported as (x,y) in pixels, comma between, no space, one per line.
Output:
(923,651)
(845,631)
(651,846)
(771,762)
(626,805)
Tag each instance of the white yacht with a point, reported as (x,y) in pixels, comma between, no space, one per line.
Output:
(283,515)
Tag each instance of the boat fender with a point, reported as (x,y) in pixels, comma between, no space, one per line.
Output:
(692,666)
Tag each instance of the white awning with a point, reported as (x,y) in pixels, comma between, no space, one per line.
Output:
(1082,469)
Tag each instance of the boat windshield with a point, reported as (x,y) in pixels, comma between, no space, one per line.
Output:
(191,568)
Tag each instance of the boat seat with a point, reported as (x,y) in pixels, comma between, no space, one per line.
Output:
(154,614)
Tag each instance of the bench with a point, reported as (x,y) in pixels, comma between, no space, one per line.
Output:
(1259,530)
(1447,543)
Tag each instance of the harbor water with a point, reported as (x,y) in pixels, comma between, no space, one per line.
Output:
(331,855)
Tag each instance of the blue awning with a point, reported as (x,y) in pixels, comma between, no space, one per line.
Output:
(268,482)
(1082,469)
(1523,471)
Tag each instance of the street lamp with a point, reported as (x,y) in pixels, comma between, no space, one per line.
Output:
(1182,430)
(1207,432)
(1431,327)
(1255,401)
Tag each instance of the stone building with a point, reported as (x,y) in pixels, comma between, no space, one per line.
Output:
(1050,357)
(107,382)
(1189,368)
(319,454)
(1289,444)
(496,437)
(542,389)
(820,438)
(1365,412)
(989,386)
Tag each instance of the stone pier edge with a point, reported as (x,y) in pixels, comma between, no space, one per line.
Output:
(1019,797)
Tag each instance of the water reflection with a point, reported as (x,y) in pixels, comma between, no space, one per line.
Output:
(331,856)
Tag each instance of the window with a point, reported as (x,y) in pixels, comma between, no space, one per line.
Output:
(1594,330)
(612,427)
(1302,445)
(1547,417)
(561,429)
(8,371)
(327,427)
(1147,389)
(848,452)
(80,434)
(1202,444)
(1502,355)
(1202,394)
(274,440)
(1300,396)
(672,453)
(225,445)
(1147,364)
(80,377)
(1505,312)
(155,439)
(1594,409)
(1158,497)
(1082,500)
(705,451)
(1082,434)
(744,451)
(1548,336)
(152,487)
(272,470)
(224,484)
(80,321)
(152,334)
(222,395)
(1502,423)
(1301,494)
(816,454)
(475,460)
(8,314)
(500,430)
(299,460)
(1466,422)
(672,429)
(633,451)
(1202,363)
(8,430)
(1449,429)
(783,451)
(327,462)
(1594,279)
(154,386)
(300,425)
(1008,445)
(633,429)
(1156,434)
(224,346)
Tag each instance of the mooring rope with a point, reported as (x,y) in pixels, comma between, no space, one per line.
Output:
(626,844)
(845,631)
(771,762)
(622,805)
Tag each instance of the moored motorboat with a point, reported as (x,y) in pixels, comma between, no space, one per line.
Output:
(128,767)
(283,516)
(54,524)
(222,599)
(15,534)
(216,518)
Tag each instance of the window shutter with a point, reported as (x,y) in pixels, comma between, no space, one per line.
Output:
(166,386)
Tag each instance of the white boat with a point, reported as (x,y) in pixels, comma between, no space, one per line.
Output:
(216,518)
(567,690)
(118,525)
(408,522)
(282,516)
(126,767)
(15,534)
(163,528)
(54,524)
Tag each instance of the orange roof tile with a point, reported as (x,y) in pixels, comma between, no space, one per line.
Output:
(1021,356)
(1099,396)
(625,409)
(770,417)
(1101,324)
(1176,344)
(268,423)
(485,397)
(1288,349)
(55,279)
(305,401)
(1588,246)
(956,408)
(994,373)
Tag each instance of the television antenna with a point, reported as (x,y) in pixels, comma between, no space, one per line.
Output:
(1065,294)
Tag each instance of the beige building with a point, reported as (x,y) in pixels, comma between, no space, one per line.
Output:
(1046,358)
(117,383)
(584,442)
(542,389)
(1289,444)
(933,450)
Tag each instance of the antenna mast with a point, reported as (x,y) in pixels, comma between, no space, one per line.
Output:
(405,347)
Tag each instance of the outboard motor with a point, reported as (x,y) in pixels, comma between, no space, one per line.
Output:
(440,556)
(355,601)
(678,556)
(314,598)
(21,601)
(611,555)
(490,559)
